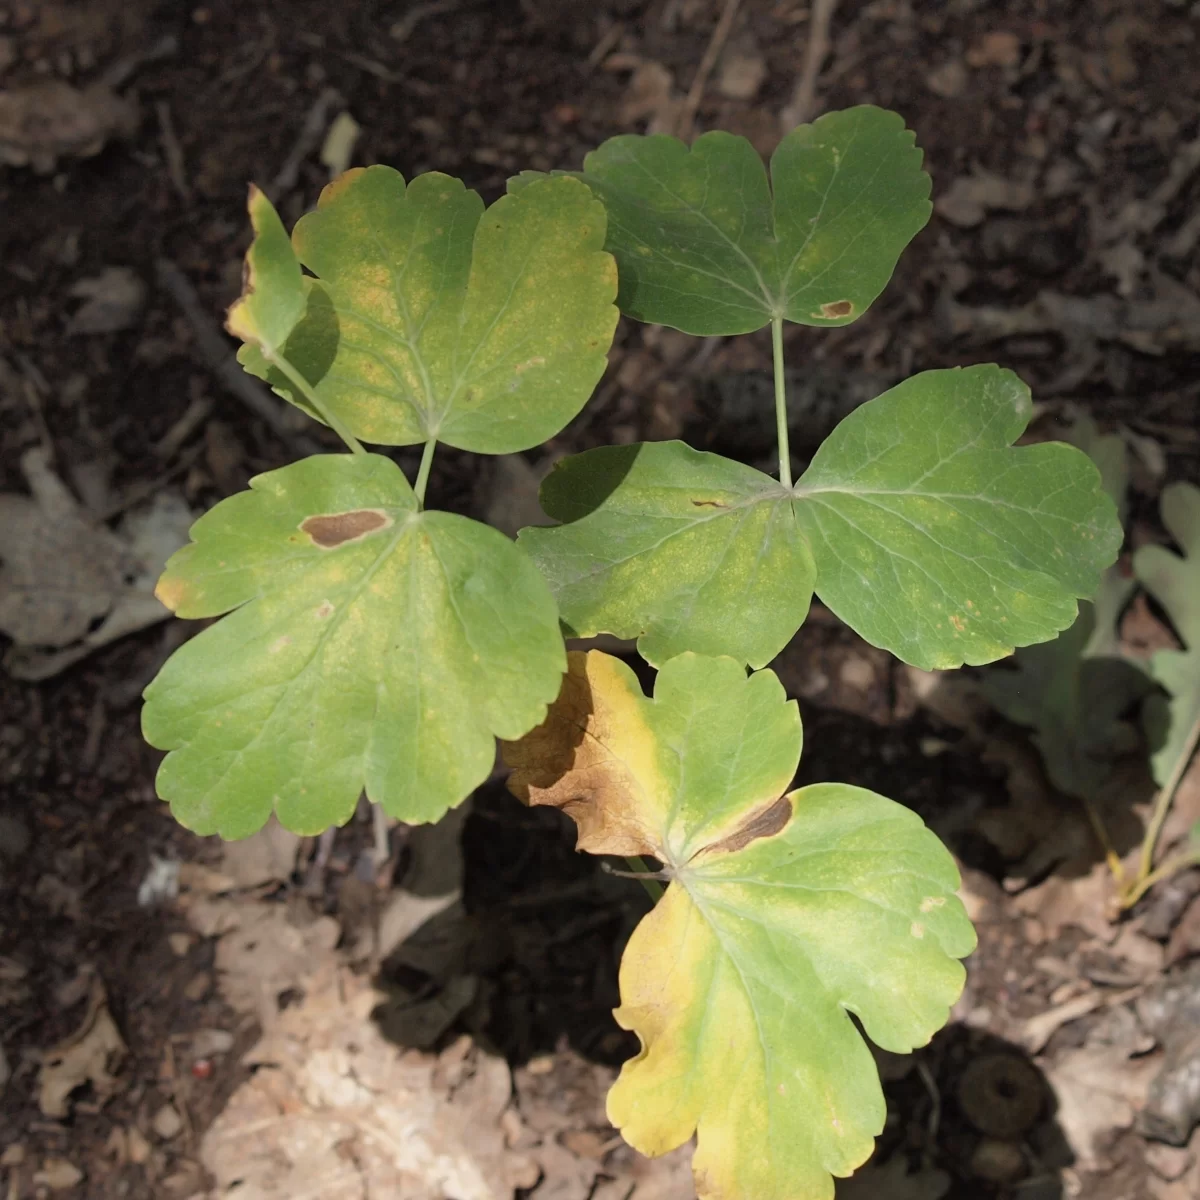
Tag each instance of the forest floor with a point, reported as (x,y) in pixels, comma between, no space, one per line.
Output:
(427,1013)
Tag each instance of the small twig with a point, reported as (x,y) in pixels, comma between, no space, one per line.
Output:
(34,388)
(416,87)
(307,140)
(612,35)
(801,106)
(172,151)
(215,351)
(124,69)
(691,105)
(150,487)
(935,1101)
(670,16)
(404,28)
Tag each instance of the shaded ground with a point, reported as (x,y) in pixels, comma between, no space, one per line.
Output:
(1045,125)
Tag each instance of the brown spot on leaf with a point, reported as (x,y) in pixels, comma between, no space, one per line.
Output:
(836,310)
(324,609)
(765,823)
(336,529)
(536,361)
(957,622)
(708,504)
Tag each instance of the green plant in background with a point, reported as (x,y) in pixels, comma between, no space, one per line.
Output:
(1172,715)
(1076,691)
(371,643)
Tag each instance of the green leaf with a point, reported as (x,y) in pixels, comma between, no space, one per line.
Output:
(273,295)
(431,318)
(689,550)
(368,645)
(1174,581)
(931,535)
(1076,702)
(705,244)
(1076,691)
(786,914)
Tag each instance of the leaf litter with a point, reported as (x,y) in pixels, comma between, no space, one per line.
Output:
(68,583)
(346,1102)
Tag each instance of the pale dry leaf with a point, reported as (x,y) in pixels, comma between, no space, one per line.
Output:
(265,956)
(742,70)
(58,1175)
(337,150)
(269,856)
(512,502)
(113,300)
(60,570)
(651,97)
(1100,1090)
(50,119)
(969,199)
(167,1123)
(68,584)
(948,80)
(998,48)
(336,1111)
(88,1056)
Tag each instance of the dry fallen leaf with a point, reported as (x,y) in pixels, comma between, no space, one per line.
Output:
(269,856)
(742,71)
(50,119)
(113,301)
(87,1056)
(651,97)
(58,1174)
(999,48)
(1100,1089)
(61,571)
(68,584)
(336,1111)
(969,199)
(948,80)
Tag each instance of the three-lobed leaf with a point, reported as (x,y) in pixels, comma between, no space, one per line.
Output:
(1174,581)
(430,317)
(369,645)
(704,243)
(786,913)
(927,531)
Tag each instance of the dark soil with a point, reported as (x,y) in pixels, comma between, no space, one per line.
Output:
(481,90)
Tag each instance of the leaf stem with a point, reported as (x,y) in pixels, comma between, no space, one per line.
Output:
(423,471)
(1162,804)
(1171,867)
(643,874)
(781,424)
(306,389)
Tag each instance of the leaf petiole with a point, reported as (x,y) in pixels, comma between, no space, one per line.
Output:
(423,471)
(781,421)
(1162,805)
(306,389)
(652,881)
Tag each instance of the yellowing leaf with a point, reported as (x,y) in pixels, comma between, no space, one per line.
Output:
(785,914)
(273,296)
(431,317)
(369,646)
